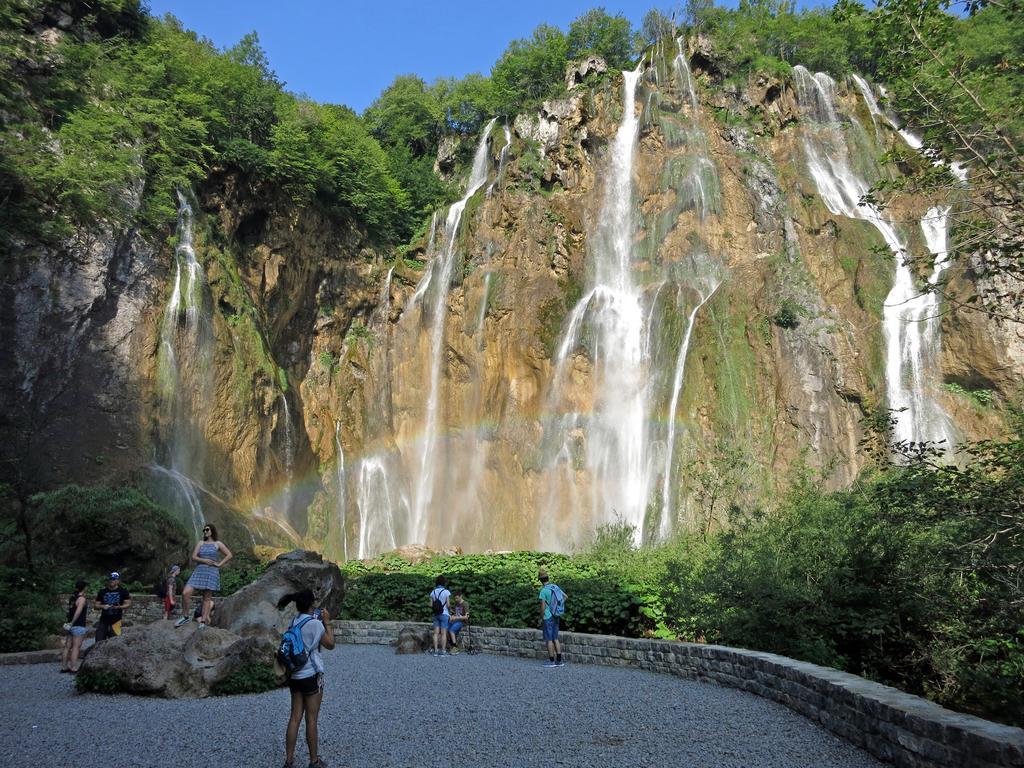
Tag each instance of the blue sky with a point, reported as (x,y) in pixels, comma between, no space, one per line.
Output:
(348,51)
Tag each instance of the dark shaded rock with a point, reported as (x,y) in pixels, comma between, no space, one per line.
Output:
(413,640)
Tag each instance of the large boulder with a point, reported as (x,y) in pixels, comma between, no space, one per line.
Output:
(160,659)
(252,611)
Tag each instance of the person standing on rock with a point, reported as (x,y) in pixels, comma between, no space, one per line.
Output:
(549,619)
(211,554)
(111,602)
(439,599)
(307,683)
(78,608)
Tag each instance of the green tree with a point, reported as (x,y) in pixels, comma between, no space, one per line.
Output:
(656,26)
(610,37)
(406,113)
(466,104)
(530,71)
(958,80)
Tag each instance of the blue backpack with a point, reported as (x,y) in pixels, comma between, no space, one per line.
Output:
(292,652)
(557,604)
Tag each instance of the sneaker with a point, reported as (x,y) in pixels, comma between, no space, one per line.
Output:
(559,663)
(453,651)
(320,763)
(182,620)
(550,664)
(202,625)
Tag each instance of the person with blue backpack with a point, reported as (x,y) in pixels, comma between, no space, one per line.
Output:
(552,606)
(299,653)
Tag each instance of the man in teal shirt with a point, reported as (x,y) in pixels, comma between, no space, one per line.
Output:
(549,621)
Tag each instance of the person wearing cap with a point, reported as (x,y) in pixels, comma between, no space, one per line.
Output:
(111,602)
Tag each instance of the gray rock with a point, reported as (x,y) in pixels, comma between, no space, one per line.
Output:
(577,71)
(252,611)
(413,640)
(173,662)
(447,153)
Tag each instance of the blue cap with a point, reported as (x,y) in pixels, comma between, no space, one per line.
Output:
(115,575)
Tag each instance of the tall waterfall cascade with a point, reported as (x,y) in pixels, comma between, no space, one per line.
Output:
(184,356)
(910,313)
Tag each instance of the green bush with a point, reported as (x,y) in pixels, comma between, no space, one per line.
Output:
(122,526)
(92,681)
(788,314)
(31,610)
(250,678)
(502,591)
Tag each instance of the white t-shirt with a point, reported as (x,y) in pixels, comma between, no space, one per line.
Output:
(439,593)
(311,632)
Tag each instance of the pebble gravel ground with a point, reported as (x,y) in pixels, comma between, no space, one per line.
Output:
(384,710)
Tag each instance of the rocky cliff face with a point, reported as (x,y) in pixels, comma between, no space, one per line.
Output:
(500,384)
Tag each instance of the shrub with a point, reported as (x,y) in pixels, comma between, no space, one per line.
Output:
(31,610)
(92,681)
(249,678)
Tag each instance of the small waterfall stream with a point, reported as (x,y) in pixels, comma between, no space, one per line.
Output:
(911,346)
(289,458)
(342,501)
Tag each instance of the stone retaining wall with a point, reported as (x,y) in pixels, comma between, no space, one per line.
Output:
(896,727)
(145,609)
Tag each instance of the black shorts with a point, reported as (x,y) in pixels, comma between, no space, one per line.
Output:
(307,686)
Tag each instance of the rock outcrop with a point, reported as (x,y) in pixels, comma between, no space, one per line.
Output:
(160,659)
(252,611)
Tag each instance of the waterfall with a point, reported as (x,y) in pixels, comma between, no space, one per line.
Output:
(443,266)
(682,68)
(385,296)
(425,282)
(702,277)
(184,376)
(667,511)
(379,508)
(911,349)
(483,305)
(289,457)
(869,99)
(617,447)
(502,158)
(342,500)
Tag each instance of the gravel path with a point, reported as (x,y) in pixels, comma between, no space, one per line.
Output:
(384,710)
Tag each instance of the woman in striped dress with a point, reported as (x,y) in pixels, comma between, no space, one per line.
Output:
(211,554)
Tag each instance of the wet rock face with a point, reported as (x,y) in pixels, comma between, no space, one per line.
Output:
(76,328)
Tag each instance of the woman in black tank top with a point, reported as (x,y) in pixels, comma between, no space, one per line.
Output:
(78,608)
